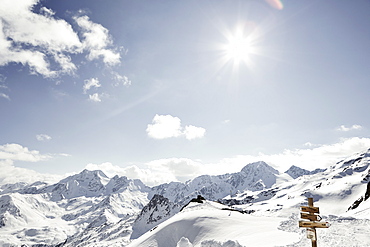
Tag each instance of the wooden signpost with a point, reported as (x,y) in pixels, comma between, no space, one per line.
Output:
(311,213)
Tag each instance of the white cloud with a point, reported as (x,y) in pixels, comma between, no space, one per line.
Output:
(2,86)
(11,174)
(65,63)
(346,129)
(5,96)
(95,97)
(120,79)
(164,126)
(318,157)
(147,176)
(43,137)
(191,132)
(156,172)
(30,38)
(96,40)
(44,43)
(2,79)
(226,121)
(90,83)
(47,12)
(167,126)
(10,153)
(182,169)
(17,152)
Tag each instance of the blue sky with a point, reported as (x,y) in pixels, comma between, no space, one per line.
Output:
(167,90)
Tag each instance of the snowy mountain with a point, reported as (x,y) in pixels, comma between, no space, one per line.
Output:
(91,209)
(253,177)
(88,184)
(158,210)
(53,214)
(295,171)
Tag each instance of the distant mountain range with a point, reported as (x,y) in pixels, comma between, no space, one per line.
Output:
(91,209)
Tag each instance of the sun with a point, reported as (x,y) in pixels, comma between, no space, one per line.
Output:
(238,47)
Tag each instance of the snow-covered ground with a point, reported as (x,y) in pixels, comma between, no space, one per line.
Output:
(208,224)
(202,223)
(90,209)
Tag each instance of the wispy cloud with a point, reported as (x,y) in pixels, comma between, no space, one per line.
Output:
(120,79)
(2,79)
(2,86)
(5,96)
(310,144)
(96,41)
(58,94)
(346,129)
(43,137)
(38,39)
(11,174)
(12,153)
(95,97)
(91,83)
(16,152)
(47,12)
(167,126)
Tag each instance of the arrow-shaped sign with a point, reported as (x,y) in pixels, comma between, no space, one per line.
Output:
(314,210)
(313,224)
(311,217)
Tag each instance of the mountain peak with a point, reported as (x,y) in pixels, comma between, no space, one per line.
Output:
(259,175)
(295,171)
(259,165)
(94,173)
(86,183)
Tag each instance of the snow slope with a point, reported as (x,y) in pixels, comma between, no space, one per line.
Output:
(207,222)
(341,191)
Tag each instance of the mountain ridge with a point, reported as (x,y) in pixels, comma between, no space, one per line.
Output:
(91,207)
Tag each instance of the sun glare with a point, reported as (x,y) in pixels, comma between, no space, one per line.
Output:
(238,47)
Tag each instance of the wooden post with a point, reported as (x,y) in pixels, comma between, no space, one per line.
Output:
(310,202)
(313,240)
(310,213)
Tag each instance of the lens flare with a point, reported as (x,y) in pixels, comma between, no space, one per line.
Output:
(277,4)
